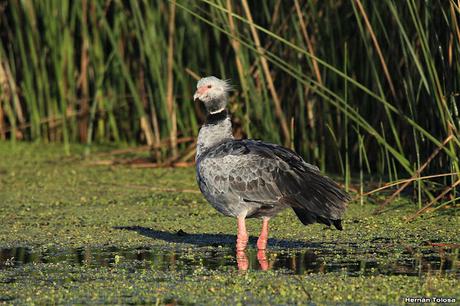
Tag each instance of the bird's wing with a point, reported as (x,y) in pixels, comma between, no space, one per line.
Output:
(233,167)
(267,173)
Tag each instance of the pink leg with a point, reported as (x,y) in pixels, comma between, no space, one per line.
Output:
(242,239)
(262,241)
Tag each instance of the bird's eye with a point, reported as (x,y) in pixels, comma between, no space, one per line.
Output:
(209,86)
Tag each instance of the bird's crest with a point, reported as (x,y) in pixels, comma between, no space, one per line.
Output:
(212,80)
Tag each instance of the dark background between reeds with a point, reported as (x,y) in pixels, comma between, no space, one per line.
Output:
(360,88)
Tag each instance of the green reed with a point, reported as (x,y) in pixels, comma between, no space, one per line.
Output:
(354,87)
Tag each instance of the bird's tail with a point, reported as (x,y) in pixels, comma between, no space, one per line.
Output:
(307,217)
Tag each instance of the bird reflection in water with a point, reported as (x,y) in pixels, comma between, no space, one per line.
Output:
(243,260)
(443,259)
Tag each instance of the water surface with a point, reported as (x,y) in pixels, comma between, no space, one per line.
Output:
(348,259)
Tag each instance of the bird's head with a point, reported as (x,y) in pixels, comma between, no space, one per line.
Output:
(213,92)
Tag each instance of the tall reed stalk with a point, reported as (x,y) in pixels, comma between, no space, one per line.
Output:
(378,83)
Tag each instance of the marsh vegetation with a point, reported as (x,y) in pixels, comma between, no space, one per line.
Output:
(98,89)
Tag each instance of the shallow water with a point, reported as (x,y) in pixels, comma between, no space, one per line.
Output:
(60,220)
(346,259)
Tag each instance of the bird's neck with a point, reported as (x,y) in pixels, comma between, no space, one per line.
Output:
(217,129)
(216,117)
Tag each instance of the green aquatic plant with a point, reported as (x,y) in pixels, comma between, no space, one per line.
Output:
(77,233)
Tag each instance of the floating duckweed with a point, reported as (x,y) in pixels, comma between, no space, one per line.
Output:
(109,237)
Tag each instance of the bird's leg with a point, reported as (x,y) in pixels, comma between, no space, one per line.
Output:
(263,238)
(242,239)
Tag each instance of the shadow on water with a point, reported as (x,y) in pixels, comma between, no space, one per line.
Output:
(292,257)
(212,239)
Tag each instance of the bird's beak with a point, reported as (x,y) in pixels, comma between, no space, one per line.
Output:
(196,96)
(199,92)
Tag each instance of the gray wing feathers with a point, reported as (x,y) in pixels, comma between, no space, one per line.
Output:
(266,173)
(244,175)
